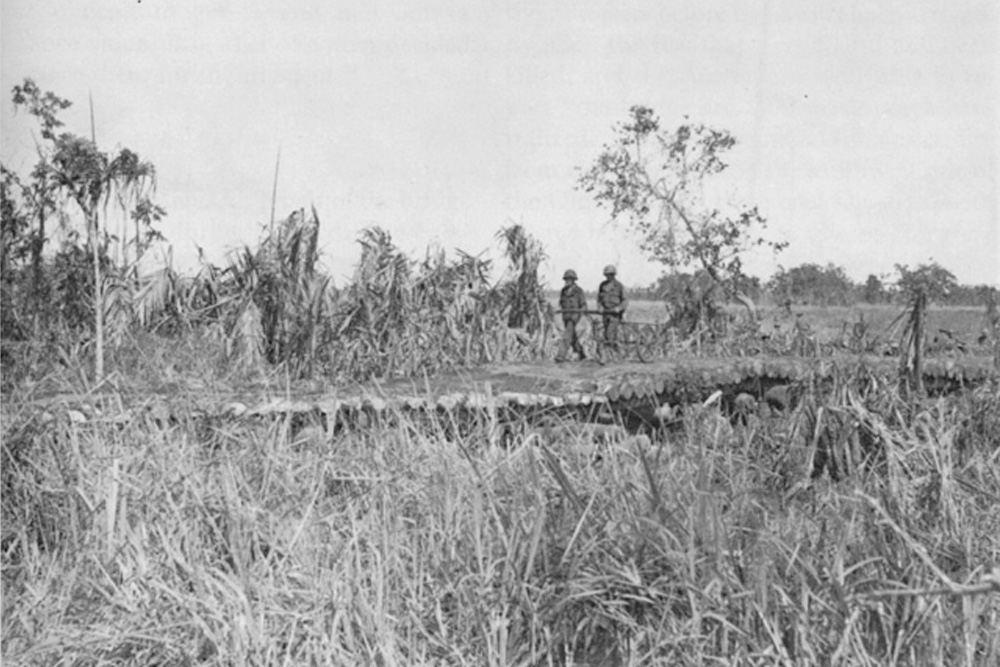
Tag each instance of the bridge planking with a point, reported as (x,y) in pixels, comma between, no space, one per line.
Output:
(528,385)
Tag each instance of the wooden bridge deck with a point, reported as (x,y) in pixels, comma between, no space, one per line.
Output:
(542,384)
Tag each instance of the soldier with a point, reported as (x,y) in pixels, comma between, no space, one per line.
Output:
(612,301)
(572,303)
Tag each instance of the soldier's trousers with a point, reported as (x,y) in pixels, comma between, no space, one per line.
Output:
(570,340)
(612,321)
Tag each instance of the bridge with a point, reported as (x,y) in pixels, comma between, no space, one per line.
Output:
(583,388)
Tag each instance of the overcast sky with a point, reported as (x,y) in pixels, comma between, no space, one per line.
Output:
(869,131)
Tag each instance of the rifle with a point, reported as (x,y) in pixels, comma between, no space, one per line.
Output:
(589,312)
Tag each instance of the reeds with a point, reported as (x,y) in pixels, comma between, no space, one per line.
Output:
(417,541)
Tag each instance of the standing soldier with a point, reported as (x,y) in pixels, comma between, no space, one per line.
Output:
(612,301)
(572,303)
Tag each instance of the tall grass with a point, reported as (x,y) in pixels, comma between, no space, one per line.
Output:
(417,541)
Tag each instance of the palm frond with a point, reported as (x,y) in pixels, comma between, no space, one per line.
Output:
(157,294)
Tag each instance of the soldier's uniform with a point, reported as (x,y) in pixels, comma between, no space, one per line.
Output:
(572,303)
(612,301)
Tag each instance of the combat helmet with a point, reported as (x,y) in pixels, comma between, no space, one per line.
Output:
(610,270)
(569,275)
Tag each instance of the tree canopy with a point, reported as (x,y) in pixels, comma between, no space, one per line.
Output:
(72,168)
(811,283)
(653,181)
(931,279)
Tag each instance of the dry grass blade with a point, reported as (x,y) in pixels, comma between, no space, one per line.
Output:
(555,467)
(914,546)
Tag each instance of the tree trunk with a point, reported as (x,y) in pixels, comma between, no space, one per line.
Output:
(98,297)
(37,278)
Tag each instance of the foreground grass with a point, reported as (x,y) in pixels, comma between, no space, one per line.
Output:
(404,544)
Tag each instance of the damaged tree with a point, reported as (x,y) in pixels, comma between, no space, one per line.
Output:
(654,182)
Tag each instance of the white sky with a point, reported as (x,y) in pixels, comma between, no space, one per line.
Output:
(868,130)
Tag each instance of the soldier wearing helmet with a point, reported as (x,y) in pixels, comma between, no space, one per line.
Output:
(612,302)
(572,304)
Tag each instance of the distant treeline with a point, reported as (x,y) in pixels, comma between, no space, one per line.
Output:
(815,285)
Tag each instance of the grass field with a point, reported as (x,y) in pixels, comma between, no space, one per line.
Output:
(967,321)
(854,523)
(831,322)
(230,542)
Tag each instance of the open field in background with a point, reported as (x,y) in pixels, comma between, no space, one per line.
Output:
(965,325)
(828,321)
